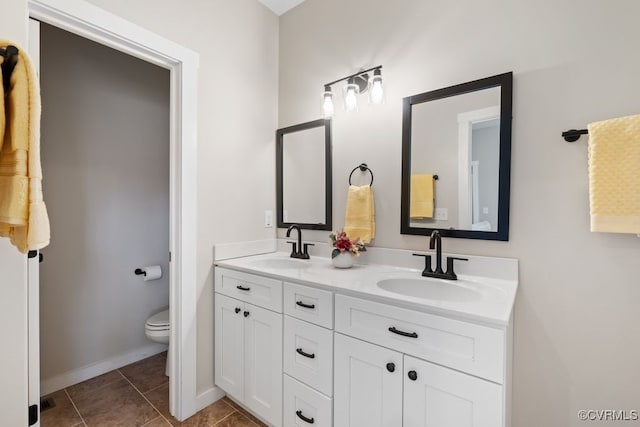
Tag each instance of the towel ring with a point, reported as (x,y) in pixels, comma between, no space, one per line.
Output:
(363,167)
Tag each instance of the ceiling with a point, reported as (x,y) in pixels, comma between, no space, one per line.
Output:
(280,6)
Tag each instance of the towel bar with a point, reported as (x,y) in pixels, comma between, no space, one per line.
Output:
(573,135)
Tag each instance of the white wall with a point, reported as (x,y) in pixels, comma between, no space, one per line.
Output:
(105,154)
(13,289)
(237,108)
(576,319)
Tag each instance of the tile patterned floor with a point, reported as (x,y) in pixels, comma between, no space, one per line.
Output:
(136,395)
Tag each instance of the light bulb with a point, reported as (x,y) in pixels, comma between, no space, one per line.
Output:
(376,94)
(327,104)
(350,100)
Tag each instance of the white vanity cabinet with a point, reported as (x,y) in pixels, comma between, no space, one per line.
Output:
(248,342)
(377,386)
(300,355)
(308,356)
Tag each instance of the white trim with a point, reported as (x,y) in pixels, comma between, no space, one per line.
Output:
(33,268)
(93,370)
(465,122)
(91,22)
(206,398)
(222,251)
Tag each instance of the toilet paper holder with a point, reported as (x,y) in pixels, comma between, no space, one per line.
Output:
(140,271)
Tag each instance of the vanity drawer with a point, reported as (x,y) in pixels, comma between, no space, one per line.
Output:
(308,354)
(303,401)
(467,347)
(257,290)
(310,304)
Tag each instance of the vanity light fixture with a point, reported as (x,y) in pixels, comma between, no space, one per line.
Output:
(357,83)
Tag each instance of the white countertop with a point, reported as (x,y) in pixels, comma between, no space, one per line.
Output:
(492,302)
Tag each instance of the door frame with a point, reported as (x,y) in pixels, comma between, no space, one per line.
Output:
(93,23)
(466,121)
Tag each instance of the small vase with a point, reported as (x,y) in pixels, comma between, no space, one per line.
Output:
(343,260)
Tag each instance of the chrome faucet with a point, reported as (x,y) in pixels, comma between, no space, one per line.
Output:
(435,242)
(298,249)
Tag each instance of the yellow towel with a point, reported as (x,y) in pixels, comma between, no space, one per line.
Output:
(23,215)
(421,199)
(360,218)
(614,175)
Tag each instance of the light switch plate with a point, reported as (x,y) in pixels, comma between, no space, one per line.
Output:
(268,219)
(485,210)
(442,214)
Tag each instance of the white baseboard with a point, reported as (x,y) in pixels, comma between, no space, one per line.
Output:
(76,376)
(208,397)
(223,251)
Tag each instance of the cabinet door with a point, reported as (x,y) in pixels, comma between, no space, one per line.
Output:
(229,339)
(446,398)
(368,384)
(263,363)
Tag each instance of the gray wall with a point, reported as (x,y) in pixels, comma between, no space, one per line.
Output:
(576,319)
(105,152)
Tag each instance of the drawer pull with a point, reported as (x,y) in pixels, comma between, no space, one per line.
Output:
(413,375)
(305,419)
(302,353)
(301,304)
(242,288)
(403,333)
(237,310)
(391,367)
(246,314)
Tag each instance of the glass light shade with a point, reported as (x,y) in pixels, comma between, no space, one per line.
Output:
(327,104)
(376,92)
(350,96)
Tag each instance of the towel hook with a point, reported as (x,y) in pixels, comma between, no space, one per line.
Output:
(363,168)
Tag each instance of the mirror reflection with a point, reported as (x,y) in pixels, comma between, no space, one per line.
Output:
(453,141)
(303,174)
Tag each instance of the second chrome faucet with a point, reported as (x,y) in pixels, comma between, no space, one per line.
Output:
(435,242)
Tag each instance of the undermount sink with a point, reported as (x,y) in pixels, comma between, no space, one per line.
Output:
(280,263)
(433,289)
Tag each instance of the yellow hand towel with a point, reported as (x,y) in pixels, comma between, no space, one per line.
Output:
(360,216)
(23,215)
(614,175)
(421,199)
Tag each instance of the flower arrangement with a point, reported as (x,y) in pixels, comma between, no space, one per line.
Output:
(342,243)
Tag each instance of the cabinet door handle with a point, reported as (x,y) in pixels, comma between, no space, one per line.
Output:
(246,314)
(413,375)
(403,333)
(237,310)
(305,419)
(391,367)
(301,304)
(242,288)
(302,353)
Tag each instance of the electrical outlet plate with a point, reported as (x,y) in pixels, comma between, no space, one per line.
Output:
(268,219)
(442,214)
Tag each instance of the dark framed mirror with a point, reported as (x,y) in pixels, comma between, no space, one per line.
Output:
(456,160)
(303,175)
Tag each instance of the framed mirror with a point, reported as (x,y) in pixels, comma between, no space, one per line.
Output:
(456,160)
(303,175)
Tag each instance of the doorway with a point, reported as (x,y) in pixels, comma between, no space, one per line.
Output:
(90,22)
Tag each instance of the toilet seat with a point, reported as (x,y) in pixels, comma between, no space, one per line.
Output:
(158,322)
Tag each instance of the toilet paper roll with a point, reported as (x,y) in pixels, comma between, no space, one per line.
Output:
(154,272)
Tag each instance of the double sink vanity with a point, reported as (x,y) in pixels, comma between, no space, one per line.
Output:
(300,343)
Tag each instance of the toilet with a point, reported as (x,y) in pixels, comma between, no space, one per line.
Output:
(157,329)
